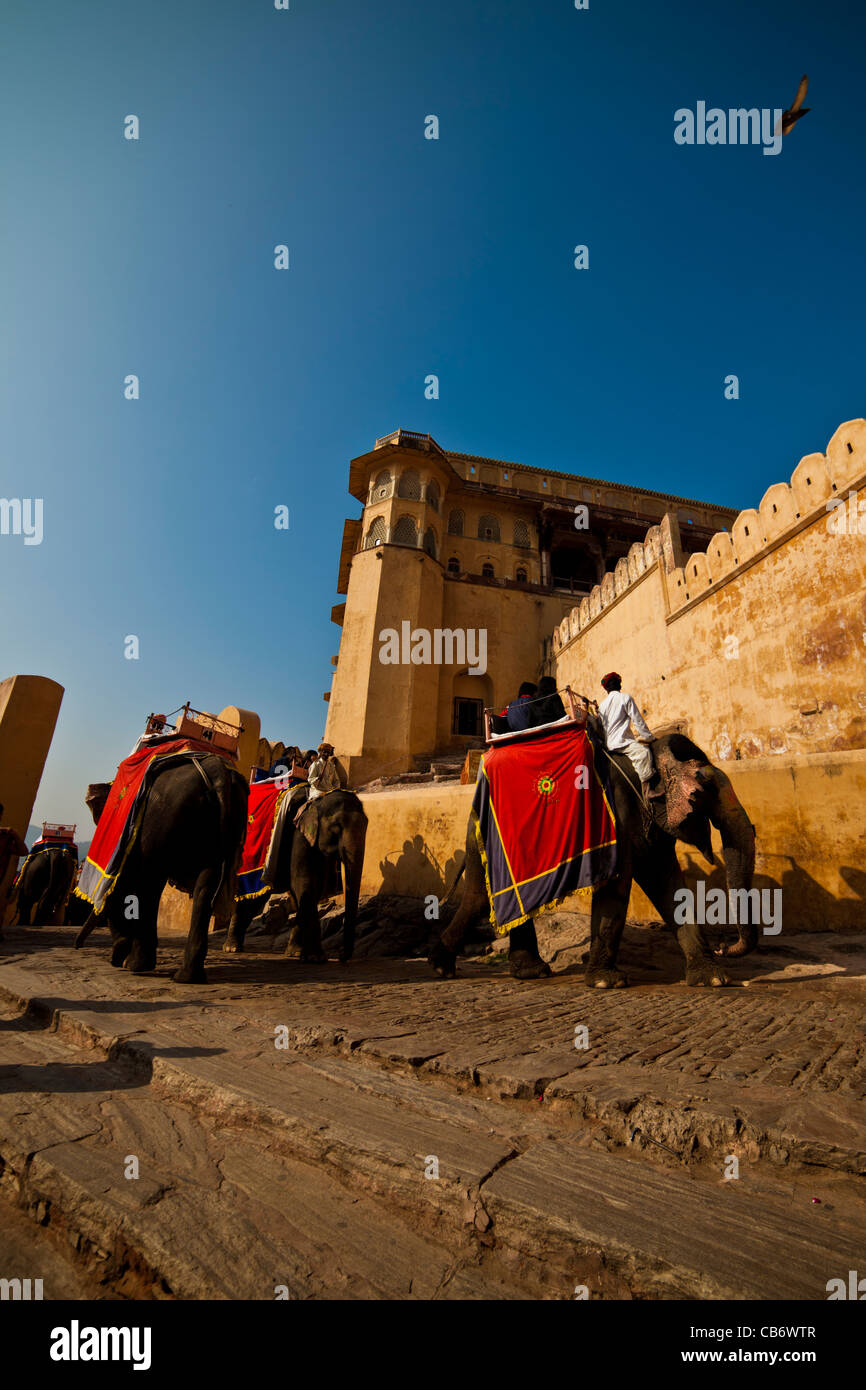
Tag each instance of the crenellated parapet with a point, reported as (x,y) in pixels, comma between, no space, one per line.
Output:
(784,509)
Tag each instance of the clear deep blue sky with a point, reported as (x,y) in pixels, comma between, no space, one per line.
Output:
(408,257)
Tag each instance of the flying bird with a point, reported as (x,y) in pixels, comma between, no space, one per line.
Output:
(794,112)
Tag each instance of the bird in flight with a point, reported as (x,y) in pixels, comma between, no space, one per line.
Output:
(796,109)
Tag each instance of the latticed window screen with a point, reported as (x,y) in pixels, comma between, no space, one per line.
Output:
(405,532)
(455,523)
(409,485)
(377,534)
(433,495)
(521,535)
(382,486)
(521,576)
(453,565)
(487,572)
(488,528)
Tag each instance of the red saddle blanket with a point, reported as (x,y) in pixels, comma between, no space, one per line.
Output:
(121,816)
(544,824)
(265,799)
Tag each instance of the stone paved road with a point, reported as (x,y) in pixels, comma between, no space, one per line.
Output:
(385,1065)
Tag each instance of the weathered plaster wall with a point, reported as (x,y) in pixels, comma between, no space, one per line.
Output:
(809,820)
(759,645)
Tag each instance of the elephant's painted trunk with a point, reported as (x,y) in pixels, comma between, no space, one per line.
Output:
(738,852)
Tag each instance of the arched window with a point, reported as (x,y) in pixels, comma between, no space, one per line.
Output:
(521,535)
(433,494)
(487,571)
(405,532)
(382,487)
(455,523)
(521,576)
(377,534)
(488,528)
(430,541)
(453,565)
(409,485)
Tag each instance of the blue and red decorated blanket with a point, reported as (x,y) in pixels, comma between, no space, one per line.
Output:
(265,799)
(544,824)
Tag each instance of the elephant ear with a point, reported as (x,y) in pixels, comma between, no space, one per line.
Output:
(308,821)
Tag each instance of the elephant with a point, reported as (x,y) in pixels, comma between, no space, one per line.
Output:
(191,835)
(697,794)
(45,882)
(332,830)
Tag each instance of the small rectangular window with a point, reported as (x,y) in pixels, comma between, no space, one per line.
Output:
(467,716)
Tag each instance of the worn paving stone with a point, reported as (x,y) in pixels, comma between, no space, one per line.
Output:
(386,1066)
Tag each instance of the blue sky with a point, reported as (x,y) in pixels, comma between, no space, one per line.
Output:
(408,257)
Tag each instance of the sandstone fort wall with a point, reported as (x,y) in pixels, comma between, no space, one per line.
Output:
(756,647)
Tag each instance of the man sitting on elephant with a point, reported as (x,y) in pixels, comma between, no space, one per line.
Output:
(326,773)
(619,714)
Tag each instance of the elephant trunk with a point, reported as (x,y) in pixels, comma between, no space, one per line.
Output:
(352,858)
(738,853)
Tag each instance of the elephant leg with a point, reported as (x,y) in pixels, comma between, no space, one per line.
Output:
(309,930)
(192,971)
(524,959)
(45,909)
(142,954)
(609,910)
(443,956)
(244,913)
(661,878)
(121,945)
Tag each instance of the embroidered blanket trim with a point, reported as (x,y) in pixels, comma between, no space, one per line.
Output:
(544,825)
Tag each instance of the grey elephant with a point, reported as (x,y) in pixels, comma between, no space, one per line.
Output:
(331,831)
(698,795)
(191,835)
(44,886)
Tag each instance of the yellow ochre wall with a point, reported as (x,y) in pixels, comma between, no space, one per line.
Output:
(809,823)
(759,645)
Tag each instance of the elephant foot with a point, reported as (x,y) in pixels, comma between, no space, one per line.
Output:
(119,951)
(444,962)
(706,972)
(313,957)
(601,978)
(190,975)
(231,946)
(345,956)
(140,962)
(526,966)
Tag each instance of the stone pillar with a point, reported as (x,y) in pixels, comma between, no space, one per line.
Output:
(29,706)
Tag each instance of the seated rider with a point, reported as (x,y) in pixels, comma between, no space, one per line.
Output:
(619,714)
(519,714)
(548,706)
(326,773)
